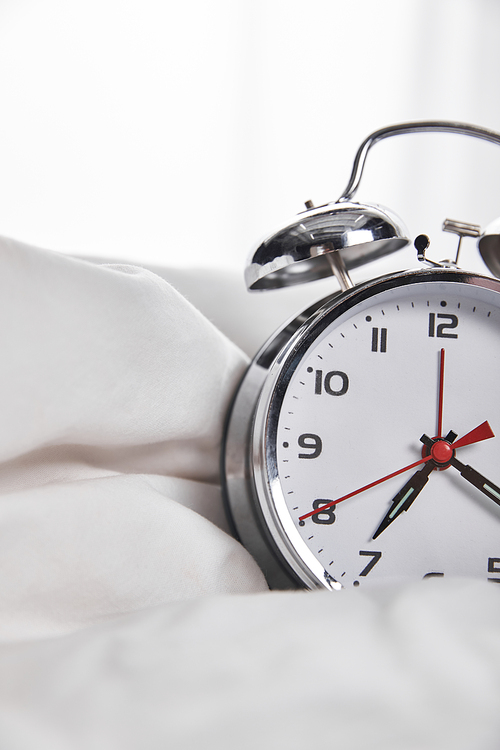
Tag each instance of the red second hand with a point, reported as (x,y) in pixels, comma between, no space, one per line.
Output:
(441,393)
(482,432)
(366,487)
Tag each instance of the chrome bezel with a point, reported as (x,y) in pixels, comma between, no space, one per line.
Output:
(249,471)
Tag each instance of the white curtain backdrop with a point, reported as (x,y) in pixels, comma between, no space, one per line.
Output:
(179,133)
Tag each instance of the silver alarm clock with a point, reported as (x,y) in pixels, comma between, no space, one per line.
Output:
(360,446)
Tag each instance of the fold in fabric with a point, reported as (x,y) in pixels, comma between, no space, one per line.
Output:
(414,668)
(113,395)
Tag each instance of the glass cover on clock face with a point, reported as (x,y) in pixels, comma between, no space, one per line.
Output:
(378,438)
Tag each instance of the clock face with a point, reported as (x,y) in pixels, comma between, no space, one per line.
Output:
(374,442)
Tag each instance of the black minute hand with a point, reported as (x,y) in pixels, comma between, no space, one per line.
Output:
(477,479)
(405,497)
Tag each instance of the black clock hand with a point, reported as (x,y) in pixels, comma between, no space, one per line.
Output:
(407,494)
(405,497)
(477,479)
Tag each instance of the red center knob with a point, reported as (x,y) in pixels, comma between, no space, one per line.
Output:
(441,452)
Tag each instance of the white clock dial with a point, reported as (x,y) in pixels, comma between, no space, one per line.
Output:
(346,409)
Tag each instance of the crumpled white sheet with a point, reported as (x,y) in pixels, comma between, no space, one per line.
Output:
(113,395)
(129,616)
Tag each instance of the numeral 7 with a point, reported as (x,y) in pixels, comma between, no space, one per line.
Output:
(375,558)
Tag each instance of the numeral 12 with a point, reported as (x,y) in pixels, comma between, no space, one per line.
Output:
(441,328)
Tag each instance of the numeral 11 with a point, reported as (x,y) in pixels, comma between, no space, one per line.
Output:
(379,340)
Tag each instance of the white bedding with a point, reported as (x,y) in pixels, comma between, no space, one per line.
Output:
(130,617)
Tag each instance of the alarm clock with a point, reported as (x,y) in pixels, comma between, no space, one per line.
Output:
(360,446)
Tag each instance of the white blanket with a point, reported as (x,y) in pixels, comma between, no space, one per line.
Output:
(130,618)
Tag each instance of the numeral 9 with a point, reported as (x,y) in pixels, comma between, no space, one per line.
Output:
(311,442)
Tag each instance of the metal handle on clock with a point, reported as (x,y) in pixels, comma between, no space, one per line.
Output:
(440,126)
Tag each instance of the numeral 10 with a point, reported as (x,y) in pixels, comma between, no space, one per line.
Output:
(338,387)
